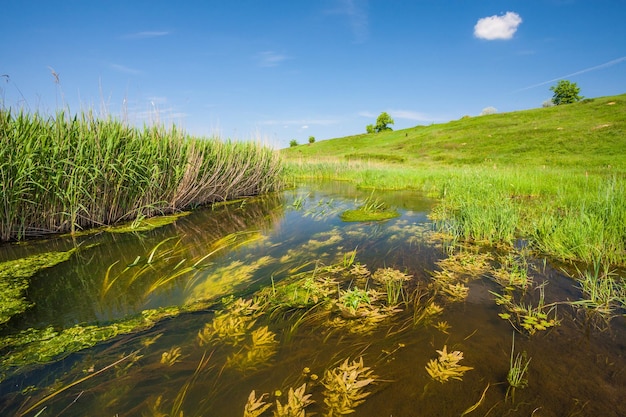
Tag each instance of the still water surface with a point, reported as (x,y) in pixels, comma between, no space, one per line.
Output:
(189,365)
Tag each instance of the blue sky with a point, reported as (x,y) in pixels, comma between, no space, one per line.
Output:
(281,70)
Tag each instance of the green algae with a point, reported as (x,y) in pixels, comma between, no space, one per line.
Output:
(364,215)
(14,280)
(146,224)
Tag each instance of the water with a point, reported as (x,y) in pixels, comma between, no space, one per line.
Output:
(250,250)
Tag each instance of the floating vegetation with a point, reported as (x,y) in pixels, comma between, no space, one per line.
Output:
(344,387)
(450,285)
(526,316)
(144,224)
(467,263)
(442,326)
(518,369)
(513,273)
(14,276)
(447,366)
(393,281)
(371,210)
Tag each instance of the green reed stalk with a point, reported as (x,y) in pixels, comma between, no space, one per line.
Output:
(63,174)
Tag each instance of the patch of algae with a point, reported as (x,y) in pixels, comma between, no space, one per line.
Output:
(14,280)
(36,346)
(146,224)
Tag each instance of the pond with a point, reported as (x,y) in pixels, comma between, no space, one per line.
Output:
(275,306)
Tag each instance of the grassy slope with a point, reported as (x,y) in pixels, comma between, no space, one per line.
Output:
(590,134)
(555,176)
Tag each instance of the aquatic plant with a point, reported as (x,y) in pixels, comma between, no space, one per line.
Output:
(450,285)
(14,280)
(466,262)
(530,318)
(344,387)
(231,325)
(255,406)
(393,280)
(170,357)
(513,273)
(297,401)
(603,291)
(518,369)
(262,347)
(371,210)
(447,366)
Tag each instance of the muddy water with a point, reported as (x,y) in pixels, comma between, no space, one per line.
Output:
(577,368)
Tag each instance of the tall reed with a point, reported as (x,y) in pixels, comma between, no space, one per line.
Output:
(64,173)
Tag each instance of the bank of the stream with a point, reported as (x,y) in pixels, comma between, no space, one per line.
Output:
(69,173)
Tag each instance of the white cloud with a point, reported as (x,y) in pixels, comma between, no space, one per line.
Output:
(270,58)
(497,27)
(146,35)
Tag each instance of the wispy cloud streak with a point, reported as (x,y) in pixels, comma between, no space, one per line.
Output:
(597,67)
(146,35)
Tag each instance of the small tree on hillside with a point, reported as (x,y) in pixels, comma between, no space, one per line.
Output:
(565,92)
(382,123)
(293,143)
(311,139)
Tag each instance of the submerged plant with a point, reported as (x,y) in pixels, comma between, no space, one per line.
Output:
(447,366)
(344,387)
(518,368)
(261,348)
(170,357)
(297,401)
(230,326)
(393,281)
(513,273)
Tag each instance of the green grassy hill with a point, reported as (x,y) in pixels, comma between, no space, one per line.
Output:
(590,133)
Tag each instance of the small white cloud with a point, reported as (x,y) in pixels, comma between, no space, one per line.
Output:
(304,127)
(497,27)
(270,58)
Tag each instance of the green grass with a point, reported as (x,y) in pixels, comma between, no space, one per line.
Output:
(552,176)
(63,173)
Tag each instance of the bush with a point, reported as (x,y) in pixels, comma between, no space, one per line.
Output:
(293,143)
(311,139)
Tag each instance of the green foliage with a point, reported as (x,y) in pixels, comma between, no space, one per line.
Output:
(565,92)
(64,174)
(382,124)
(293,143)
(311,139)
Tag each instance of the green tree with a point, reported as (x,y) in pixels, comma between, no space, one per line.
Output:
(293,143)
(311,139)
(565,92)
(382,123)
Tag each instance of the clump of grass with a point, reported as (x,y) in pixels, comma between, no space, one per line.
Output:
(393,281)
(518,369)
(371,210)
(64,173)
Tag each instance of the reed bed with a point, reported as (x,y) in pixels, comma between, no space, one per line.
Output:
(66,173)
